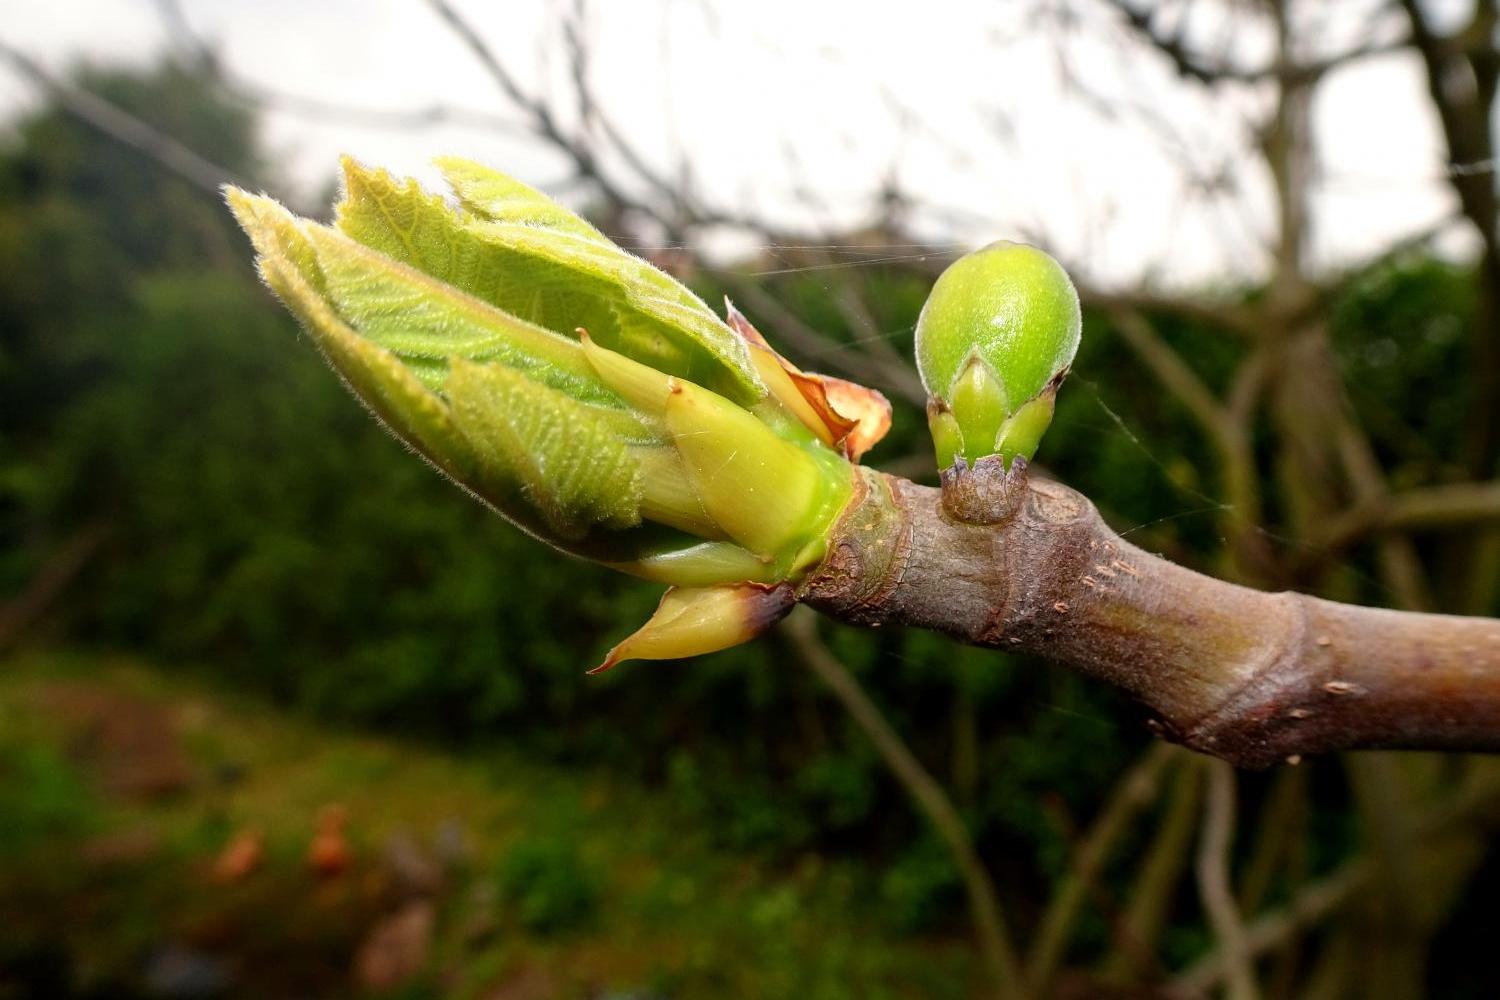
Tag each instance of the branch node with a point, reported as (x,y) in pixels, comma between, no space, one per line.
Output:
(988,493)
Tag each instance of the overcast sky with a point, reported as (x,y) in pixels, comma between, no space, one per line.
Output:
(800,111)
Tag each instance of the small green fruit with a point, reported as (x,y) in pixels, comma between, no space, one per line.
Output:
(994,341)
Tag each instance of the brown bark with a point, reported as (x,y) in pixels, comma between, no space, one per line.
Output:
(1248,676)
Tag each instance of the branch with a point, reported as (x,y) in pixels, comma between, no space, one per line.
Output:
(1214,884)
(849,298)
(1239,319)
(897,378)
(542,119)
(1244,675)
(1465,113)
(1171,371)
(250,94)
(1280,825)
(1309,907)
(1400,567)
(1472,804)
(578,148)
(1139,929)
(1192,66)
(1227,426)
(54,576)
(1433,508)
(1136,791)
(662,199)
(588,108)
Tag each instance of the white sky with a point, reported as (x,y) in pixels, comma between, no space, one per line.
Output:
(785,109)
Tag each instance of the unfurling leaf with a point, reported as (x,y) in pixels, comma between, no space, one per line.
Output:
(587,396)
(867,409)
(378,377)
(530,257)
(492,195)
(569,459)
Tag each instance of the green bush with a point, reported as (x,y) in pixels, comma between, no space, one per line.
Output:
(42,799)
(920,890)
(548,886)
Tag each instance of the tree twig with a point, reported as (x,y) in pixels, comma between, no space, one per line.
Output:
(1170,370)
(926,794)
(124,127)
(1139,929)
(1312,903)
(1225,425)
(543,120)
(1191,65)
(1133,793)
(1446,507)
(1215,887)
(1276,831)
(49,583)
(898,379)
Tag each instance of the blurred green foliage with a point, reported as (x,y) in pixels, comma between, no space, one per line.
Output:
(263,531)
(548,884)
(569,883)
(42,798)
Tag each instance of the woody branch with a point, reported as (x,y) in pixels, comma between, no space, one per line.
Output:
(1248,676)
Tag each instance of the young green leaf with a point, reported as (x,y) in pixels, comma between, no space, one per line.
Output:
(378,377)
(585,395)
(560,275)
(568,459)
(427,322)
(499,197)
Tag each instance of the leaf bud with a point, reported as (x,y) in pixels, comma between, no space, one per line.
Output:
(994,341)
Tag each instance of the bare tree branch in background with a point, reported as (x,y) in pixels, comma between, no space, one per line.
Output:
(667,204)
(542,119)
(1228,430)
(261,97)
(999,954)
(1285,71)
(1133,793)
(1476,803)
(1327,461)
(1214,886)
(21,611)
(1462,70)
(123,127)
(1453,506)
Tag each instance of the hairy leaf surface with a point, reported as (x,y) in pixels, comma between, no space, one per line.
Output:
(566,458)
(427,322)
(410,409)
(528,256)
